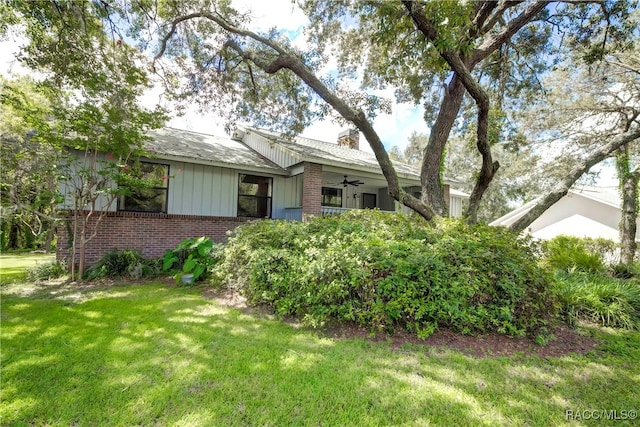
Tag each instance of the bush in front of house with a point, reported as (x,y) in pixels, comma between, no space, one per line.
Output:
(589,291)
(389,271)
(48,271)
(195,256)
(117,264)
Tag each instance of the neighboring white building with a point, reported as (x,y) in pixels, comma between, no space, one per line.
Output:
(582,212)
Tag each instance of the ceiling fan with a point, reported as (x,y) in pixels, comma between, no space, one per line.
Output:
(346,182)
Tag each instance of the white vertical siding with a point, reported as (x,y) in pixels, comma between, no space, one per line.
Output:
(202,190)
(276,155)
(67,187)
(287,193)
(455,207)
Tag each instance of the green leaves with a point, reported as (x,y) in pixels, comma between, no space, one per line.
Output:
(388,271)
(193,256)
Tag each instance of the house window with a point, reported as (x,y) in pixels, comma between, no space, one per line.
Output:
(332,197)
(152,198)
(368,201)
(254,196)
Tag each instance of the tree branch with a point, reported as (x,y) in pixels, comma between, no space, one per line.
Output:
(289,61)
(500,9)
(576,172)
(512,27)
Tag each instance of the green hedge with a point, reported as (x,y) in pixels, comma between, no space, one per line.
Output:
(385,271)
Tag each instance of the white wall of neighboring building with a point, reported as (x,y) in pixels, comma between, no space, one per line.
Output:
(579,214)
(591,218)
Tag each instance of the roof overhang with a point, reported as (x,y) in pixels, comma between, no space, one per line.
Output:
(243,167)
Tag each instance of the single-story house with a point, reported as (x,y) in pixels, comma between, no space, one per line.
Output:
(216,183)
(582,212)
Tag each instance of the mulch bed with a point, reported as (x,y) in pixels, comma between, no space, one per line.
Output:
(566,340)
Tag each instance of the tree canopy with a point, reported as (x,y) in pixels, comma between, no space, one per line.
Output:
(472,65)
(92,80)
(468,63)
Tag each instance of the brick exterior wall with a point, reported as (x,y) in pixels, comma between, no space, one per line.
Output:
(151,234)
(311,190)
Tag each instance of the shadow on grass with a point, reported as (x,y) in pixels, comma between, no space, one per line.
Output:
(156,355)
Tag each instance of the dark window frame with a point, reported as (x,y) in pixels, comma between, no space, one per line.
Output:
(259,198)
(165,188)
(338,194)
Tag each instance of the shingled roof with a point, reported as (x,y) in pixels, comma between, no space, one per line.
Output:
(316,151)
(187,145)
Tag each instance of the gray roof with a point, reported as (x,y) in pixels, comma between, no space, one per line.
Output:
(177,143)
(606,195)
(313,150)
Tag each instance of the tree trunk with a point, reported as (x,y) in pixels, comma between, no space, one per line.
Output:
(431,170)
(629,190)
(74,244)
(81,255)
(581,167)
(14,234)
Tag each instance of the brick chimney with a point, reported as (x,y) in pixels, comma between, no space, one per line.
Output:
(349,138)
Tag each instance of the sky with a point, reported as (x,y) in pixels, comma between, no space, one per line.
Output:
(394,129)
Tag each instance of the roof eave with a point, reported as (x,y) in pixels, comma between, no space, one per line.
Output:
(236,166)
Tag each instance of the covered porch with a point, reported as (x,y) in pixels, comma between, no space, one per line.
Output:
(329,190)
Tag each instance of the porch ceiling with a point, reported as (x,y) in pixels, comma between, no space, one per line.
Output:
(332,175)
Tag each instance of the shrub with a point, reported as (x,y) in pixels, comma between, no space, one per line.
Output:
(386,270)
(600,299)
(568,253)
(626,271)
(192,256)
(117,264)
(606,249)
(48,271)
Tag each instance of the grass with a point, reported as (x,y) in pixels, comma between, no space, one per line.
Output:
(13,266)
(151,354)
(142,354)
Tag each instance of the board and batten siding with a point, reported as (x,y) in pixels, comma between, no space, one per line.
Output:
(196,189)
(455,207)
(287,193)
(202,190)
(74,169)
(275,154)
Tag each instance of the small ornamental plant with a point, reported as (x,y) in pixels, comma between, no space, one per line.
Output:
(191,256)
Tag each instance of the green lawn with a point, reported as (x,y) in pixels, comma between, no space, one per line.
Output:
(149,354)
(13,266)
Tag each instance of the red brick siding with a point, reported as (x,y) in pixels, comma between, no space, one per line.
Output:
(149,233)
(312,189)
